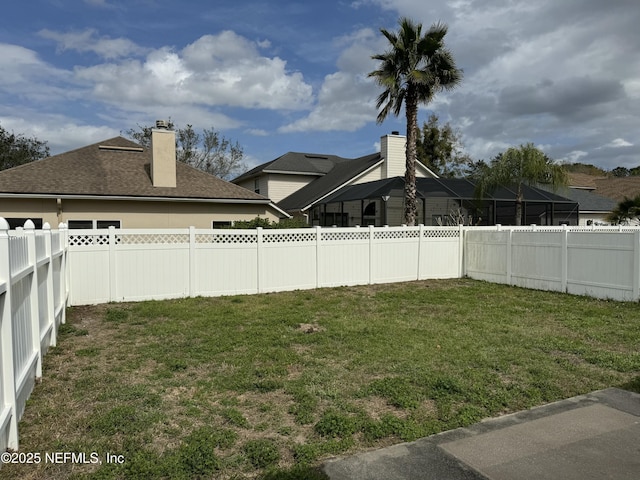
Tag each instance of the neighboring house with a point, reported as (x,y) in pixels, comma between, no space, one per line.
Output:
(615,188)
(604,194)
(594,208)
(117,182)
(329,190)
(299,182)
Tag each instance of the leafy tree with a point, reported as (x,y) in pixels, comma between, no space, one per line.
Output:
(635,171)
(620,172)
(207,151)
(412,71)
(440,149)
(525,165)
(17,149)
(626,211)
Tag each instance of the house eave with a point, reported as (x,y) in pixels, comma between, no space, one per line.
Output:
(265,201)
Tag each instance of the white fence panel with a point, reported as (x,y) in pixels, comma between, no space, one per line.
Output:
(225,262)
(394,254)
(440,253)
(287,260)
(89,276)
(344,256)
(28,319)
(153,265)
(485,255)
(537,259)
(602,264)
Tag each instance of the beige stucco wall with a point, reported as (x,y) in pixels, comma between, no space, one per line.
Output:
(135,214)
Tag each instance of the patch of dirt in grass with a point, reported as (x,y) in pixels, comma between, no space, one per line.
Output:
(310,328)
(377,407)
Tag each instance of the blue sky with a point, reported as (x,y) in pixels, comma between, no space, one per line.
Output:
(280,76)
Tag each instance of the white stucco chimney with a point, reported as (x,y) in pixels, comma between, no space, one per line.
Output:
(163,155)
(392,149)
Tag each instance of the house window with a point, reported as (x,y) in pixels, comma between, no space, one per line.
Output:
(256,185)
(221,224)
(93,224)
(19,222)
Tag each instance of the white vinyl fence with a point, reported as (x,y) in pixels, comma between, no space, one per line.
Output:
(33,296)
(600,262)
(128,265)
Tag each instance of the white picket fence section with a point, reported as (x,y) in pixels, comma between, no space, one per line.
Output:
(33,298)
(600,262)
(130,265)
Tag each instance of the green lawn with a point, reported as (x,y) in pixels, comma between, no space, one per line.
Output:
(270,385)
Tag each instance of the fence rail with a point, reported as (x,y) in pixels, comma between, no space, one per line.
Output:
(33,298)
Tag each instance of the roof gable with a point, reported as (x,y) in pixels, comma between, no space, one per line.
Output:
(342,173)
(116,167)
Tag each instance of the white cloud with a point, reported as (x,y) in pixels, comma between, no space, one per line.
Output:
(220,70)
(88,41)
(573,156)
(346,100)
(618,143)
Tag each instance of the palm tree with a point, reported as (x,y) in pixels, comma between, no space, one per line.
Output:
(626,211)
(525,165)
(412,71)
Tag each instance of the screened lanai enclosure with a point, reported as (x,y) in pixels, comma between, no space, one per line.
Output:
(440,202)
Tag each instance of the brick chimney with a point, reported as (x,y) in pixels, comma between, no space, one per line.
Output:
(392,149)
(163,155)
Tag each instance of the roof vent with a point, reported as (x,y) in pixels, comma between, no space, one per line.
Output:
(395,132)
(162,124)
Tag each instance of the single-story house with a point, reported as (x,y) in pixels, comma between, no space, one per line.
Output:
(117,182)
(330,190)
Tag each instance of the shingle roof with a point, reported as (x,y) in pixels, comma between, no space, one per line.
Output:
(122,170)
(296,162)
(341,173)
(588,200)
(617,188)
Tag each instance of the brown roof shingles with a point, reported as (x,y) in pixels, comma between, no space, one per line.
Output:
(114,172)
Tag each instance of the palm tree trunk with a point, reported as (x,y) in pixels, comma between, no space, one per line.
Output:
(519,199)
(410,202)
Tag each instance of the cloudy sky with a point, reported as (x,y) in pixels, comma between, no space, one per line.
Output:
(278,76)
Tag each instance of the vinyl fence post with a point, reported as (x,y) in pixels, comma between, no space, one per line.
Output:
(113,281)
(636,265)
(509,255)
(7,375)
(192,262)
(461,246)
(564,258)
(371,256)
(318,255)
(259,260)
(64,270)
(34,314)
(50,305)
(420,248)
